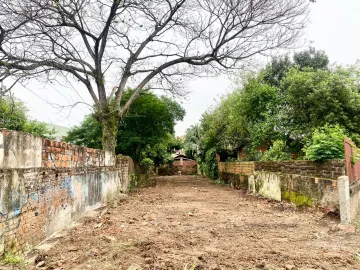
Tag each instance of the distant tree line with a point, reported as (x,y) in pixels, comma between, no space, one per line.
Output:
(14,116)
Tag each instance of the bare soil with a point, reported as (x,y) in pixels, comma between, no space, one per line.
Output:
(191,223)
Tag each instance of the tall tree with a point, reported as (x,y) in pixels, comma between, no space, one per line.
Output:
(192,140)
(145,43)
(146,129)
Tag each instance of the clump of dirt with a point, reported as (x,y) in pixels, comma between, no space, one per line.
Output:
(189,223)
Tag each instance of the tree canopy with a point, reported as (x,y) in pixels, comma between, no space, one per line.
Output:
(13,116)
(146,131)
(282,107)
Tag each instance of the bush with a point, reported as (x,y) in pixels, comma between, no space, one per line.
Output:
(147,163)
(326,143)
(211,164)
(278,151)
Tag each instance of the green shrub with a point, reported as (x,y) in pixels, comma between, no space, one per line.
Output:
(211,164)
(326,143)
(278,151)
(147,163)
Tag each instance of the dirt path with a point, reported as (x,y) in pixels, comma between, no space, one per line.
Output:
(187,221)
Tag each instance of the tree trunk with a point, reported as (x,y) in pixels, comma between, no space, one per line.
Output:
(110,129)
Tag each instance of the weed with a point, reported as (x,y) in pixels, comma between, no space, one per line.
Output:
(126,245)
(219,182)
(356,257)
(357,224)
(133,182)
(192,267)
(13,259)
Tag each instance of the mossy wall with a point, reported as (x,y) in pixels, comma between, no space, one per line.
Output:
(303,183)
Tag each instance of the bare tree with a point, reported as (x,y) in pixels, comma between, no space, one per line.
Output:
(142,43)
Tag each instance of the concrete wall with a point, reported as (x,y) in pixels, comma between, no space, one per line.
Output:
(354,200)
(44,185)
(300,182)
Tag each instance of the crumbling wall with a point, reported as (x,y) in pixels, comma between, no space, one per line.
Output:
(300,182)
(44,185)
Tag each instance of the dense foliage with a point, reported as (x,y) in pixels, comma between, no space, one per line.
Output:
(191,141)
(146,131)
(326,143)
(210,166)
(13,116)
(285,108)
(278,151)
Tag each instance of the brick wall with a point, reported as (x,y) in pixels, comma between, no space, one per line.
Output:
(44,185)
(329,170)
(236,173)
(246,168)
(301,182)
(186,167)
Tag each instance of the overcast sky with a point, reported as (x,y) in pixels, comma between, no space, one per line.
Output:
(334,27)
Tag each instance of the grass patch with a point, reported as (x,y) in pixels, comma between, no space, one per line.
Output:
(14,260)
(190,267)
(127,245)
(357,224)
(219,182)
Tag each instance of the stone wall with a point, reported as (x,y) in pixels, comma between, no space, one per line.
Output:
(44,185)
(300,182)
(328,170)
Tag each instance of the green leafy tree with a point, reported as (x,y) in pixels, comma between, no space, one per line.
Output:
(145,132)
(286,102)
(326,143)
(210,165)
(276,70)
(314,98)
(278,151)
(87,134)
(311,58)
(192,140)
(13,116)
(280,65)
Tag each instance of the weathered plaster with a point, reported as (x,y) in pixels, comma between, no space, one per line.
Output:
(44,185)
(344,199)
(20,150)
(303,183)
(1,150)
(268,185)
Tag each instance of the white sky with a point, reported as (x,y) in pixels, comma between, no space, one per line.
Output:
(334,27)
